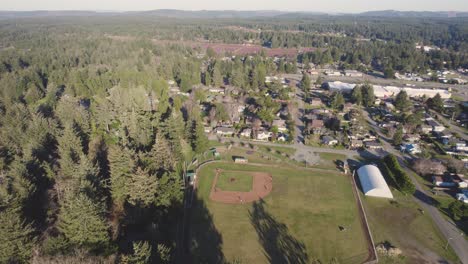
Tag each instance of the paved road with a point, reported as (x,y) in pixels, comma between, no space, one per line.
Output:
(460,131)
(446,226)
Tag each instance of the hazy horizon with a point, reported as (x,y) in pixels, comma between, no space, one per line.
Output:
(331,6)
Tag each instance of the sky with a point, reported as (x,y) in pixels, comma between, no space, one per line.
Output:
(335,6)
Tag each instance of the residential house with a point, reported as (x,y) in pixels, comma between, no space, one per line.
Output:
(247,133)
(373,145)
(410,148)
(316,126)
(436,127)
(353,73)
(449,181)
(329,141)
(425,129)
(280,124)
(216,90)
(332,73)
(207,129)
(412,138)
(264,135)
(316,102)
(282,137)
(463,196)
(225,131)
(356,143)
(460,146)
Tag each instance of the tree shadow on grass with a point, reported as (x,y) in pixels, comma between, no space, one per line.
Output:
(278,244)
(204,242)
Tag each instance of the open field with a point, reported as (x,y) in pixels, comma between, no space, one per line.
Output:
(298,222)
(235,181)
(404,226)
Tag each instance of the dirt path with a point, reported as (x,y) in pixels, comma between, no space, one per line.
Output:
(261,187)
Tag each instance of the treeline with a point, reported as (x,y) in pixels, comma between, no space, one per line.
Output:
(358,43)
(401,179)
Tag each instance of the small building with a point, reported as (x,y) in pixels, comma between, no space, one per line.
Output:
(449,181)
(353,73)
(240,160)
(191,176)
(316,126)
(225,131)
(332,73)
(330,141)
(436,127)
(247,133)
(316,102)
(373,145)
(463,196)
(340,87)
(280,124)
(216,90)
(207,129)
(356,143)
(373,183)
(263,135)
(410,148)
(412,138)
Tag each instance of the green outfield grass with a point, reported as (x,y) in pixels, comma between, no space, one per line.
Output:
(236,181)
(298,222)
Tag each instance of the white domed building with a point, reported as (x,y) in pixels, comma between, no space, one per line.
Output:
(373,182)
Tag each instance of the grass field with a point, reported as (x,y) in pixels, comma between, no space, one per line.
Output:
(298,222)
(235,181)
(404,226)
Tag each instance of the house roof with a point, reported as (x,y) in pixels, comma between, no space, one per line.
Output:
(316,123)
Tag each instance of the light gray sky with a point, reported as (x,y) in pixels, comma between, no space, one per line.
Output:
(283,5)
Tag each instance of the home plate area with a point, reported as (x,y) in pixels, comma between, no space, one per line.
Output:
(238,187)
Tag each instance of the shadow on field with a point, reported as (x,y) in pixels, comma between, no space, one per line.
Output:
(205,242)
(279,245)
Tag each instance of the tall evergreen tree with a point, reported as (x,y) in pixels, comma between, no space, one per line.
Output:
(81,221)
(357,95)
(121,170)
(368,97)
(402,102)
(162,156)
(16,237)
(142,188)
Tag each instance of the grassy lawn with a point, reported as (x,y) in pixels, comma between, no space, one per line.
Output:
(298,222)
(405,227)
(235,181)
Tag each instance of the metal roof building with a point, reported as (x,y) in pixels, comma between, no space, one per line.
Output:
(373,183)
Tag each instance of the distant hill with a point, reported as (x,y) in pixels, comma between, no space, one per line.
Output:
(395,13)
(174,13)
(209,13)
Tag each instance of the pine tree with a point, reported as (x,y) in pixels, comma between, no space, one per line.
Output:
(121,170)
(199,139)
(402,101)
(305,83)
(16,238)
(368,97)
(357,95)
(142,188)
(70,150)
(338,101)
(141,254)
(162,155)
(81,221)
(398,136)
(217,77)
